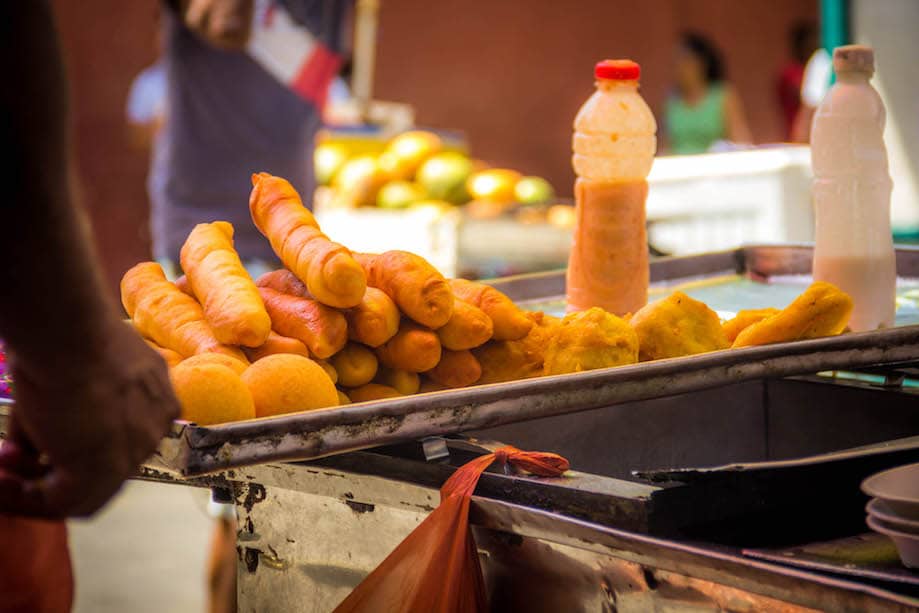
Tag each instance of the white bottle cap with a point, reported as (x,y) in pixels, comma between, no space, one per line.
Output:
(853,58)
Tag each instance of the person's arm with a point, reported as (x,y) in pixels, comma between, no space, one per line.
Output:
(226,24)
(92,400)
(738,131)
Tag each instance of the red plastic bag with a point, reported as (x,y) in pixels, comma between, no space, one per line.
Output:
(436,568)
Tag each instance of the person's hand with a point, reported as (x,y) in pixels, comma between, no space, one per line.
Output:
(226,24)
(75,436)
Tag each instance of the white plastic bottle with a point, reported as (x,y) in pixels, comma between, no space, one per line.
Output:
(614,144)
(854,244)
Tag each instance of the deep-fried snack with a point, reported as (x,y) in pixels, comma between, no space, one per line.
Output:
(417,288)
(677,326)
(510,323)
(403,381)
(413,348)
(169,356)
(588,340)
(372,391)
(225,290)
(521,359)
(744,319)
(331,274)
(284,281)
(467,328)
(355,364)
(822,310)
(456,369)
(375,320)
(167,316)
(322,328)
(277,343)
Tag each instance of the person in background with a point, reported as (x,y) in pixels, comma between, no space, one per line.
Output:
(802,43)
(815,83)
(229,117)
(703,109)
(92,399)
(146,106)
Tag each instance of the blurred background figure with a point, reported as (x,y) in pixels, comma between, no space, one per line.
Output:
(802,42)
(703,109)
(815,83)
(229,116)
(145,110)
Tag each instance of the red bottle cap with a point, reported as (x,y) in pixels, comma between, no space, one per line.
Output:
(617,70)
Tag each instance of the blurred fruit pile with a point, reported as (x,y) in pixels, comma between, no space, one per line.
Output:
(417,169)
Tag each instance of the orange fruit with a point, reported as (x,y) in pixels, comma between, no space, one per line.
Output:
(211,393)
(216,358)
(406,152)
(288,383)
(495,185)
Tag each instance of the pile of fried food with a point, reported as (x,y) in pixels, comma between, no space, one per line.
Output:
(334,327)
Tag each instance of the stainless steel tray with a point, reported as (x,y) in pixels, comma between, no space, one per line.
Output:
(746,277)
(756,276)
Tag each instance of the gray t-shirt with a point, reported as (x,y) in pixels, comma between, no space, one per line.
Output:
(226,118)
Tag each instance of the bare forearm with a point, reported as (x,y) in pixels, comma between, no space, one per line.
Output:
(55,307)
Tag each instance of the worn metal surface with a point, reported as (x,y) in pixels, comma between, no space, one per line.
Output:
(320,433)
(309,534)
(870,556)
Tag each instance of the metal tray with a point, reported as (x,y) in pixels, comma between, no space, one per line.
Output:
(755,276)
(728,281)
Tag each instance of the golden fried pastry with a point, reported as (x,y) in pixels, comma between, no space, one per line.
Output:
(744,319)
(521,359)
(456,369)
(403,381)
(355,364)
(676,326)
(822,310)
(589,340)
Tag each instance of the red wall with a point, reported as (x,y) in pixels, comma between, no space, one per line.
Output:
(105,44)
(510,73)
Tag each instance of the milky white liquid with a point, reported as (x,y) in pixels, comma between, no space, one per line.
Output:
(851,190)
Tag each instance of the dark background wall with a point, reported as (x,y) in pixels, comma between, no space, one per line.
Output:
(510,74)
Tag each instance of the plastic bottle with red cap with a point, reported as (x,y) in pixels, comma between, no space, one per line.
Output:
(614,145)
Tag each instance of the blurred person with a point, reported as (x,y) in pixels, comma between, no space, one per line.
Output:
(815,83)
(145,109)
(704,109)
(92,399)
(802,44)
(229,117)
(146,106)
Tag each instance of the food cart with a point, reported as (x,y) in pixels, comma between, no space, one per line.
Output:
(724,481)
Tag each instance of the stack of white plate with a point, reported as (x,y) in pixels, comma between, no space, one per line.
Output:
(894,509)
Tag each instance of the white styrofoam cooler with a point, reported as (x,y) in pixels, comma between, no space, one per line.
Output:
(721,200)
